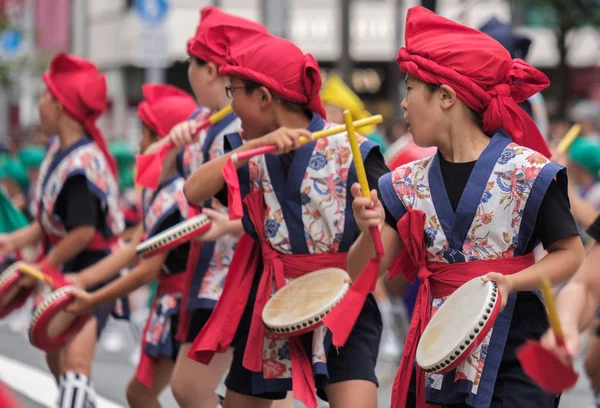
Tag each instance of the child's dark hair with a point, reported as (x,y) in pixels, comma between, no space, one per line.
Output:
(250,86)
(477,118)
(198,61)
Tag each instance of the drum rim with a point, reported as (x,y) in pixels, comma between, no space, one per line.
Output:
(472,339)
(8,278)
(310,323)
(41,312)
(153,245)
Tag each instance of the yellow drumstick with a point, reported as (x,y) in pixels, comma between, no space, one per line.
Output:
(569,138)
(358,163)
(34,273)
(217,116)
(552,312)
(371,120)
(361,174)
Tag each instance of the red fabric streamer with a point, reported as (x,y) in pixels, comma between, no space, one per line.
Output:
(480,70)
(81,89)
(342,318)
(218,333)
(234,196)
(438,279)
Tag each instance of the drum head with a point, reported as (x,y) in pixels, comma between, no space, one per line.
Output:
(302,304)
(12,297)
(51,325)
(176,235)
(459,325)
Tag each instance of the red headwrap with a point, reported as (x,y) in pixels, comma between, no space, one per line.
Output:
(225,30)
(164,107)
(478,68)
(81,89)
(282,67)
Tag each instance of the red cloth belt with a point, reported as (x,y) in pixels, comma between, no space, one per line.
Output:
(218,333)
(147,364)
(438,279)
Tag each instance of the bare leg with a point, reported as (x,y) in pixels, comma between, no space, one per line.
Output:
(78,354)
(236,400)
(592,358)
(193,383)
(288,402)
(354,393)
(139,396)
(75,389)
(53,362)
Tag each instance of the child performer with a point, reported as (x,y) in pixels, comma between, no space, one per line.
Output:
(297,219)
(476,208)
(78,213)
(163,107)
(194,384)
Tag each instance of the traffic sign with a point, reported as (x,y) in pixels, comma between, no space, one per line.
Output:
(11,41)
(152,11)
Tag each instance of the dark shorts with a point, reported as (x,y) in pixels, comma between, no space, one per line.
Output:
(82,261)
(355,361)
(102,313)
(513,389)
(198,319)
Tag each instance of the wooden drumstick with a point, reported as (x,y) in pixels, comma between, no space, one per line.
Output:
(553,318)
(34,273)
(362,177)
(218,116)
(569,138)
(371,120)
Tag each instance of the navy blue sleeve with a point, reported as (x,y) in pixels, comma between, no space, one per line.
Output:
(77,206)
(555,220)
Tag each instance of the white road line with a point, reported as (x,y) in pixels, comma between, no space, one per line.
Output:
(35,384)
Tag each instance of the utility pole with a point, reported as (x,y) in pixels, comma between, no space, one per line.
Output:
(275,16)
(345,61)
(394,74)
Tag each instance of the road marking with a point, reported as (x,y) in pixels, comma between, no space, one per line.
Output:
(35,384)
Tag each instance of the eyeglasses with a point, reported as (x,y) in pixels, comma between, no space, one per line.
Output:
(229,90)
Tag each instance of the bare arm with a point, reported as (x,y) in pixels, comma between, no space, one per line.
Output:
(207,181)
(110,266)
(71,245)
(582,210)
(146,271)
(563,259)
(579,300)
(363,250)
(28,235)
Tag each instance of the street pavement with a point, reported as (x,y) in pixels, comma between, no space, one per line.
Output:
(22,367)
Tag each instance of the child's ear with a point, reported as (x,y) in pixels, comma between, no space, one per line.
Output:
(447,96)
(265,96)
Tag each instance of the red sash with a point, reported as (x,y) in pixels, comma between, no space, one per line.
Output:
(145,368)
(218,333)
(438,279)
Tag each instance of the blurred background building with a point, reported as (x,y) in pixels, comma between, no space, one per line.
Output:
(135,41)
